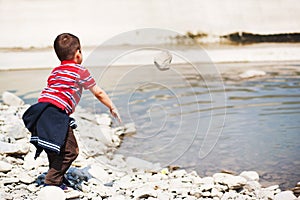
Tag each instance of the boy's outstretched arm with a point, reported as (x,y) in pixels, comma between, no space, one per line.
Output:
(104,98)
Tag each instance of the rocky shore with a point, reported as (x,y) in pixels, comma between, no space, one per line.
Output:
(99,173)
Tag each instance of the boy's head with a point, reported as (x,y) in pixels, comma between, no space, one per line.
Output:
(67,47)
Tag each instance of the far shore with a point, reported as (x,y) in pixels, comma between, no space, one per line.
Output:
(44,58)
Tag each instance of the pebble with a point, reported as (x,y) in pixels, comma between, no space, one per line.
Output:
(11,99)
(285,195)
(25,178)
(97,171)
(273,187)
(129,129)
(233,182)
(5,167)
(252,73)
(16,149)
(144,192)
(51,193)
(206,180)
(103,119)
(253,186)
(250,175)
(73,194)
(7,181)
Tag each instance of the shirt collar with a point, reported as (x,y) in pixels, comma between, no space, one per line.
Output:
(68,62)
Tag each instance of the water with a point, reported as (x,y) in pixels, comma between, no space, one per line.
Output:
(179,122)
(183,120)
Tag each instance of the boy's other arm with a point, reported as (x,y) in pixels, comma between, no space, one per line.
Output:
(104,98)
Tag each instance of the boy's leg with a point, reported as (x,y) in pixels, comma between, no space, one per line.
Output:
(60,163)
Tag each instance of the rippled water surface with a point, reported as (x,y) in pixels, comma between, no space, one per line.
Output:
(191,120)
(184,120)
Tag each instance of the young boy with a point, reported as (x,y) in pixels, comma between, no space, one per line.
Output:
(49,120)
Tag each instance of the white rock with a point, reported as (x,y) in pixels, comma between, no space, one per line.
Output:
(229,196)
(250,175)
(197,180)
(164,196)
(252,73)
(265,194)
(14,128)
(9,180)
(145,191)
(51,193)
(155,178)
(25,178)
(5,167)
(252,186)
(129,129)
(207,187)
(98,172)
(207,180)
(286,195)
(137,163)
(190,198)
(216,193)
(124,182)
(221,188)
(8,148)
(32,188)
(117,197)
(206,194)
(72,194)
(103,119)
(15,161)
(178,173)
(162,185)
(11,99)
(273,187)
(85,188)
(233,182)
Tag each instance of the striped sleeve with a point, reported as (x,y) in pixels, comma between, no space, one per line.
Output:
(86,80)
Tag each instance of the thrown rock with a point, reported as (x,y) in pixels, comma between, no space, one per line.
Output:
(163,60)
(11,99)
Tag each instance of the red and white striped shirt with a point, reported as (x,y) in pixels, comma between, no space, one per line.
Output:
(64,85)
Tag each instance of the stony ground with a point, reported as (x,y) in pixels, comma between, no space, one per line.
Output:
(98,173)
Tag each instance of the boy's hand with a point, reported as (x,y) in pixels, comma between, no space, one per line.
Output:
(114,112)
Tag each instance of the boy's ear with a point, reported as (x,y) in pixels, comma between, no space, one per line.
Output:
(78,57)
